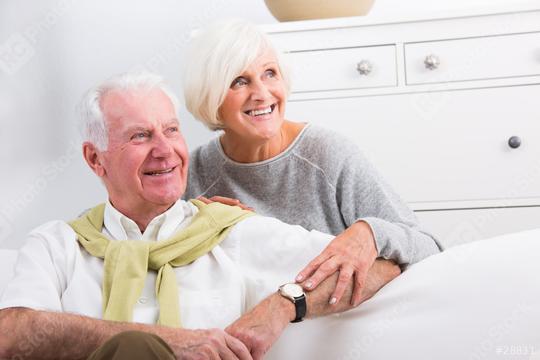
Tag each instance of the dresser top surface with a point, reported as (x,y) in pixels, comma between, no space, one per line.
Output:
(402,17)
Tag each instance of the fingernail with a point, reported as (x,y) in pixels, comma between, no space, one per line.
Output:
(299,278)
(333,301)
(309,284)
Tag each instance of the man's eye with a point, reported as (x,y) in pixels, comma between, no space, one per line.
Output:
(140,135)
(173,129)
(270,73)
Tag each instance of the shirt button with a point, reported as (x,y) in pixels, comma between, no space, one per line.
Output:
(143,300)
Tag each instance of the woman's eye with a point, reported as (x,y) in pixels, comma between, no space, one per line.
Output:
(239,82)
(270,73)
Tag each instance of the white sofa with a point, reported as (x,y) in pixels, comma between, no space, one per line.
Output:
(476,301)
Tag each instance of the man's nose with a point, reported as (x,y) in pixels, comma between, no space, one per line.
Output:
(162,146)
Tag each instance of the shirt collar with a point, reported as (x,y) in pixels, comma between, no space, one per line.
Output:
(120,227)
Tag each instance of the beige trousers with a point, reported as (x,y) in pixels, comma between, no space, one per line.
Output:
(133,345)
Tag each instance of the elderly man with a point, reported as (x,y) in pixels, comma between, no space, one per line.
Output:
(186,265)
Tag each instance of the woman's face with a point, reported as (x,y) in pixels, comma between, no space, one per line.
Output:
(254,106)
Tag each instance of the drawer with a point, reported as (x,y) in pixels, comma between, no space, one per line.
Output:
(455,227)
(443,146)
(337,69)
(473,59)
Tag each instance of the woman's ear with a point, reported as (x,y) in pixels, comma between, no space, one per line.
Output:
(93,158)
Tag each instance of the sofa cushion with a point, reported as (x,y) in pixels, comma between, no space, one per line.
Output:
(475,301)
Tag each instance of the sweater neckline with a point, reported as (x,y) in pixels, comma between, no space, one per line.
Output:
(283,154)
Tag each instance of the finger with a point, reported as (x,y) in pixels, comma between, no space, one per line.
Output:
(237,347)
(359,282)
(225,200)
(204,200)
(311,267)
(258,354)
(326,269)
(345,274)
(225,353)
(244,207)
(209,351)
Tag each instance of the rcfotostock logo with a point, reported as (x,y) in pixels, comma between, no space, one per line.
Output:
(19,48)
(15,53)
(6,228)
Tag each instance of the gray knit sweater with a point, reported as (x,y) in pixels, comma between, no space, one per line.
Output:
(321,181)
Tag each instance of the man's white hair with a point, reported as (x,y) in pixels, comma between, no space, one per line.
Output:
(93,126)
(217,55)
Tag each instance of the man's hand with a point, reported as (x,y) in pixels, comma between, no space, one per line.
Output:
(49,335)
(381,273)
(259,328)
(211,344)
(226,201)
(351,253)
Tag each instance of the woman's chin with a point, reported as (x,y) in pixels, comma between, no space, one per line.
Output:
(267,129)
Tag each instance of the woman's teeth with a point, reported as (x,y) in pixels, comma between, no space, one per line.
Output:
(268,110)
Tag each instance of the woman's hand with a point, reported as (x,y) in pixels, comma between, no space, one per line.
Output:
(351,253)
(226,201)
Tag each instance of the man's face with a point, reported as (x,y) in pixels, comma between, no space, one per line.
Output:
(145,165)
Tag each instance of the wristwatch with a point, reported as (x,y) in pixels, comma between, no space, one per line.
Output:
(295,293)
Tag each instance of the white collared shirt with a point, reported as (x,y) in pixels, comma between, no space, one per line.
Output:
(54,273)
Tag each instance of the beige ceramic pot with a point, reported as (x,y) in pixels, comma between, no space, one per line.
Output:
(291,10)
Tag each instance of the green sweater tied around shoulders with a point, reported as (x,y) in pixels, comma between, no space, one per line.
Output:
(126,262)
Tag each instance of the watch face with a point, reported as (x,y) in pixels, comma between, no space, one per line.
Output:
(293,290)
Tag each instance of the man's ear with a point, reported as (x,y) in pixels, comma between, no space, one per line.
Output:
(93,158)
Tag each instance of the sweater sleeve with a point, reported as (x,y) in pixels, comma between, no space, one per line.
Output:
(363,195)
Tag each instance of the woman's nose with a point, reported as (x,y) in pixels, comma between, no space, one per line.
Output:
(260,91)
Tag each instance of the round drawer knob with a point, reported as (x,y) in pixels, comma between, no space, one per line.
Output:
(432,62)
(514,142)
(364,67)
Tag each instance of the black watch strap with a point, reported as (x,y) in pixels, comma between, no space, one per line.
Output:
(301,308)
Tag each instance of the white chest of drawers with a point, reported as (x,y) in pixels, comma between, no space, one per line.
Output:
(446,107)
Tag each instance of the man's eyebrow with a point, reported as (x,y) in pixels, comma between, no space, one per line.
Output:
(135,128)
(173,121)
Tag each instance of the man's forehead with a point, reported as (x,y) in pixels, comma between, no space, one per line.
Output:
(131,107)
(120,99)
(134,123)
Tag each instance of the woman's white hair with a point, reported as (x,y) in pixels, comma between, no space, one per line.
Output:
(93,126)
(217,55)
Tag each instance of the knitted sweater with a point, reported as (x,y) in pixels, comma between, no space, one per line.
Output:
(321,181)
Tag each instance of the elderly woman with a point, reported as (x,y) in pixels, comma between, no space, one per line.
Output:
(235,81)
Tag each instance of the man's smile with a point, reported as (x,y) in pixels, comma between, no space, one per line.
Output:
(160,172)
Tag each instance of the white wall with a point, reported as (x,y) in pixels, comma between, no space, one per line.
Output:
(51,51)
